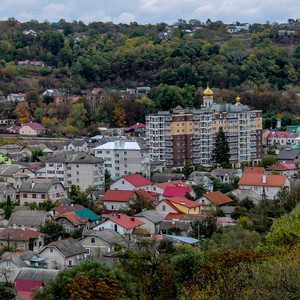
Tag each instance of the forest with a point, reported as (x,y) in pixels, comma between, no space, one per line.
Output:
(176,61)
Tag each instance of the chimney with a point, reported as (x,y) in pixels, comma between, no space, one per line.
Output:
(119,216)
(264,178)
(132,219)
(32,184)
(23,227)
(14,226)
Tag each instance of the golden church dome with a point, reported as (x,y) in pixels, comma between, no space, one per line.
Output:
(238,100)
(208,93)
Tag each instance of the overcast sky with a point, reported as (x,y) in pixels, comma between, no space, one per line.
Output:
(151,11)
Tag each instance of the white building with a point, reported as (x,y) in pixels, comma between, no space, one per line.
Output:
(123,158)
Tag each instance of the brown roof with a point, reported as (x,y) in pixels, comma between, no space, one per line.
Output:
(217,198)
(18,234)
(117,195)
(73,218)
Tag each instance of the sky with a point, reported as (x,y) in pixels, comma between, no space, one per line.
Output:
(150,11)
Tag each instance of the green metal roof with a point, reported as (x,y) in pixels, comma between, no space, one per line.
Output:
(87,213)
(292,127)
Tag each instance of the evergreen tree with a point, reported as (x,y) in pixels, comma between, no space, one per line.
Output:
(220,154)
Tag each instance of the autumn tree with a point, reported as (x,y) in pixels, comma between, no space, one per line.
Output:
(119,117)
(23,112)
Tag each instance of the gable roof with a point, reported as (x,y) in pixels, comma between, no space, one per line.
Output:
(27,217)
(75,158)
(150,215)
(137,180)
(43,275)
(172,191)
(217,198)
(288,154)
(34,126)
(118,195)
(254,170)
(284,167)
(38,185)
(126,221)
(175,183)
(68,247)
(64,209)
(257,180)
(145,195)
(279,134)
(18,234)
(184,202)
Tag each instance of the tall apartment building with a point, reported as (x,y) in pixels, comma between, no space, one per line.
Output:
(79,169)
(123,158)
(189,134)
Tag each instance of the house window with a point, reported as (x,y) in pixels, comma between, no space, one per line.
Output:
(163,208)
(43,196)
(92,240)
(123,182)
(33,195)
(24,195)
(70,262)
(51,250)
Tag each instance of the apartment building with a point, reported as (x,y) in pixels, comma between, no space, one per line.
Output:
(83,170)
(123,158)
(189,134)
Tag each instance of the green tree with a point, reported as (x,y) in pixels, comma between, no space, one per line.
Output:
(107,180)
(220,154)
(52,230)
(8,208)
(6,292)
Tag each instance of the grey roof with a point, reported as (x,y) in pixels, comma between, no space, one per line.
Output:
(165,177)
(246,193)
(151,215)
(15,258)
(288,154)
(109,236)
(182,225)
(78,158)
(3,186)
(38,185)
(28,218)
(183,239)
(68,247)
(10,170)
(43,275)
(76,143)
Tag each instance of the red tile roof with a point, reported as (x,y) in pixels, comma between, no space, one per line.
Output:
(172,191)
(18,234)
(254,170)
(217,198)
(127,222)
(64,209)
(118,195)
(137,180)
(284,167)
(279,134)
(184,201)
(257,180)
(145,195)
(135,126)
(163,185)
(35,126)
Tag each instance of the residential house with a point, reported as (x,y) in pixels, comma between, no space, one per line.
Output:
(62,209)
(172,188)
(136,129)
(70,221)
(278,137)
(15,174)
(289,155)
(7,149)
(123,158)
(151,219)
(116,200)
(254,170)
(100,242)
(21,239)
(31,219)
(131,182)
(121,223)
(11,264)
(242,194)
(159,177)
(7,189)
(32,129)
(76,145)
(178,204)
(171,226)
(201,180)
(266,185)
(39,190)
(86,213)
(210,201)
(5,159)
(227,175)
(286,168)
(14,97)
(63,253)
(80,169)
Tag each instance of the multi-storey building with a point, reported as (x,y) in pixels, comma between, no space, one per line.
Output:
(189,134)
(123,158)
(82,170)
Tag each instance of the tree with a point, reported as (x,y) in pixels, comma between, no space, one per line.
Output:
(52,230)
(187,169)
(118,118)
(220,154)
(6,293)
(107,180)
(8,208)
(140,203)
(23,112)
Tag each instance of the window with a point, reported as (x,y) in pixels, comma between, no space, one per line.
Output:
(43,196)
(51,250)
(93,240)
(77,166)
(70,262)
(163,208)
(107,152)
(24,195)
(33,195)
(69,168)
